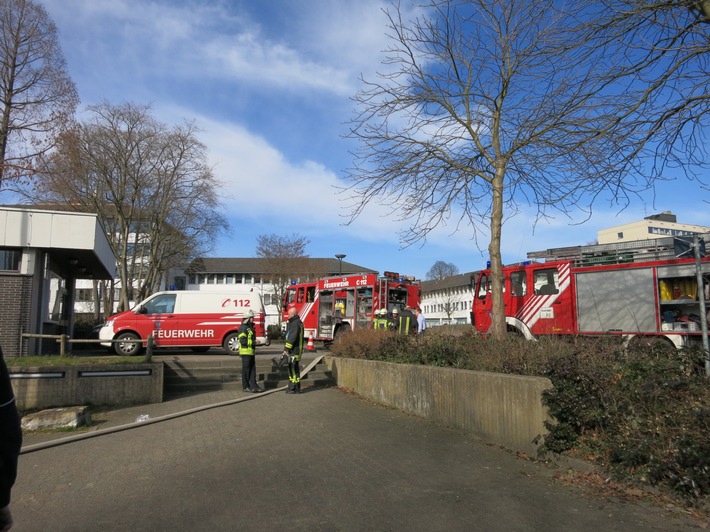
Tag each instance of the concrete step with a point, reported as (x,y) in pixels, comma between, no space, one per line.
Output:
(315,377)
(210,375)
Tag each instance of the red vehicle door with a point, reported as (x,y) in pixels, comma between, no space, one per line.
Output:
(548,307)
(482,303)
(515,291)
(157,316)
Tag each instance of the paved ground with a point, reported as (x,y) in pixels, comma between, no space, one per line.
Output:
(321,460)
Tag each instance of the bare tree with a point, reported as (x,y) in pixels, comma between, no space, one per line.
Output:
(440,270)
(37,96)
(149,183)
(285,260)
(449,302)
(659,53)
(487,106)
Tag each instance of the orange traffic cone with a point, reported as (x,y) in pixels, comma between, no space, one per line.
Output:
(310,346)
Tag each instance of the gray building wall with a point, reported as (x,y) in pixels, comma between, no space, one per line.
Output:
(15,312)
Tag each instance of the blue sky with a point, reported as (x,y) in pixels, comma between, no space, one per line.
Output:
(269,83)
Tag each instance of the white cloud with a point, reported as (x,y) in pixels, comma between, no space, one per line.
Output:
(198,40)
(252,60)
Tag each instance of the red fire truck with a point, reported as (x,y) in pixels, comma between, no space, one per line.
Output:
(334,305)
(650,290)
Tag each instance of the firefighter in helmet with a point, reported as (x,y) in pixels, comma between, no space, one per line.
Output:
(247,342)
(403,320)
(293,348)
(381,322)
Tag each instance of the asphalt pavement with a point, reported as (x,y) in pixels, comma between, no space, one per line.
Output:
(321,460)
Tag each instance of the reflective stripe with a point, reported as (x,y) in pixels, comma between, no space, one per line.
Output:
(8,403)
(249,348)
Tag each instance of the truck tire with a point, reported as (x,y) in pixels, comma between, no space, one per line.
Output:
(128,344)
(231,343)
(647,345)
(340,331)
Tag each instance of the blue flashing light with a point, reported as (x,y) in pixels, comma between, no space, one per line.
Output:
(488,264)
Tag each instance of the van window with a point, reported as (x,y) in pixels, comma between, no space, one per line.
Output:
(162,304)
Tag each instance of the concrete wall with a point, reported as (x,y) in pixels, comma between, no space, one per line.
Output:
(53,386)
(502,409)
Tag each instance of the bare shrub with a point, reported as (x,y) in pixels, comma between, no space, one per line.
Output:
(642,416)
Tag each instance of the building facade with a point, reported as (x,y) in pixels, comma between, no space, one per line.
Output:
(448,301)
(655,226)
(42,254)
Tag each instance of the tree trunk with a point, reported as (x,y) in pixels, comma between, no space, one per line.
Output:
(498,327)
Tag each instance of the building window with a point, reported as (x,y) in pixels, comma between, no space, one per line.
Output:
(57,293)
(620,235)
(131,294)
(10,259)
(84,295)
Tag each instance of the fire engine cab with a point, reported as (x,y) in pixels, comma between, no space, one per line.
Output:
(334,305)
(650,290)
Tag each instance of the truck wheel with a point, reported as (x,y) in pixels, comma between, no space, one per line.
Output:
(128,344)
(231,344)
(343,329)
(648,345)
(512,332)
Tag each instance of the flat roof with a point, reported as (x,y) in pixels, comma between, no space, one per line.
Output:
(75,237)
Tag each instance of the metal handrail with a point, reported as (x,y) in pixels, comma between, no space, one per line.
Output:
(63,339)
